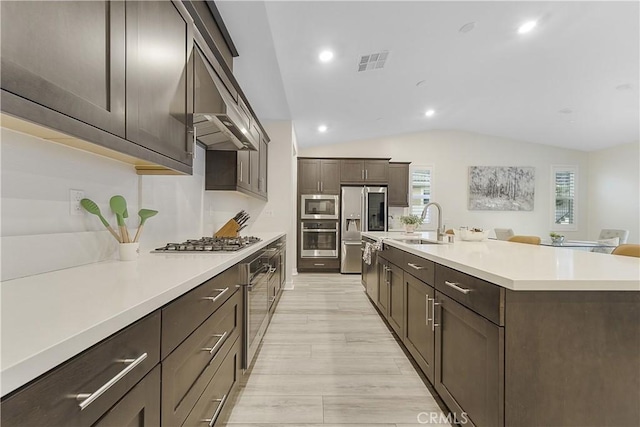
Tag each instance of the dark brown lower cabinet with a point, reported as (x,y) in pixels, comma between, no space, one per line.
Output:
(210,408)
(138,408)
(190,367)
(469,363)
(419,330)
(395,313)
(383,288)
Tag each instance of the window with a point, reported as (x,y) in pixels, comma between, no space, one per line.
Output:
(421,179)
(564,181)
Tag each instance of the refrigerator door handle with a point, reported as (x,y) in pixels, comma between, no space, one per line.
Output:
(364,206)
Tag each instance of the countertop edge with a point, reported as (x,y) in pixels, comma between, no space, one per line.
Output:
(24,371)
(511,284)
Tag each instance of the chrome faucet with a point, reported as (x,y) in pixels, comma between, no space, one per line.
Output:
(440,227)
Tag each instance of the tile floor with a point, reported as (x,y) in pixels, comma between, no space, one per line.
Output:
(329,360)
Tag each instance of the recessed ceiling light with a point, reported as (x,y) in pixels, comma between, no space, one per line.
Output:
(625,86)
(467,27)
(325,56)
(322,128)
(429,113)
(526,27)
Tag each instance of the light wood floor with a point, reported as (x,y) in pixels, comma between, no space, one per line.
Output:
(328,359)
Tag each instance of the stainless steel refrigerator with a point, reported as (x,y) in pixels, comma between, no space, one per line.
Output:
(363,209)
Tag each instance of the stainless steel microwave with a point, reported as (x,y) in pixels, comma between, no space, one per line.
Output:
(319,206)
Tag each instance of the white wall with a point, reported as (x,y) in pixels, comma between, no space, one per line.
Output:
(452,152)
(39,234)
(275,215)
(614,190)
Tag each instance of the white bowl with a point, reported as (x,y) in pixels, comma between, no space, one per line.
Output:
(472,236)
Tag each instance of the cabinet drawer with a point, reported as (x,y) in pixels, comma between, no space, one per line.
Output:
(218,392)
(482,297)
(185,314)
(51,399)
(188,369)
(421,268)
(318,264)
(392,254)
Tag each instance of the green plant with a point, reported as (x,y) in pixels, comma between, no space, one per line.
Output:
(411,219)
(555,235)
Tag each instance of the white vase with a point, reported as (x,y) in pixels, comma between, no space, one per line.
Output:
(410,228)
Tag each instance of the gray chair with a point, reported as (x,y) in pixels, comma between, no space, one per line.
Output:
(611,236)
(503,233)
(610,233)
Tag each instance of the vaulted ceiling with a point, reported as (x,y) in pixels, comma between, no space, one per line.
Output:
(573,81)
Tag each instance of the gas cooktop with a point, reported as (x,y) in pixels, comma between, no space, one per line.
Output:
(210,244)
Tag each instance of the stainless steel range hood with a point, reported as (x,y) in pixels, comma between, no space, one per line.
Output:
(220,123)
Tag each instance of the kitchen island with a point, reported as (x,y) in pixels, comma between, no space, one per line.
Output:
(512,334)
(49,318)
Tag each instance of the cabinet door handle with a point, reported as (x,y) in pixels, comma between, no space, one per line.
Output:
(321,186)
(319,265)
(455,286)
(366,174)
(214,299)
(211,421)
(87,399)
(427,315)
(434,325)
(362,174)
(221,338)
(417,267)
(191,144)
(241,171)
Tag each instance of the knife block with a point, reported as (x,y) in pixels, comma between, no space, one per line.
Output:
(230,229)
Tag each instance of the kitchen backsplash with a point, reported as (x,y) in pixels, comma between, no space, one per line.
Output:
(38,232)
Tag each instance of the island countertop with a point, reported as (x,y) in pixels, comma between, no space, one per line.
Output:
(49,318)
(523,267)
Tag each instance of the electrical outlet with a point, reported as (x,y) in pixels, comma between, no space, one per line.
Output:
(74,201)
(268,212)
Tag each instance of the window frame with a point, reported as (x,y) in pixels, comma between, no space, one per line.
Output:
(555,169)
(429,223)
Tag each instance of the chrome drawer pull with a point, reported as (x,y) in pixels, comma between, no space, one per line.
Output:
(433,310)
(214,299)
(213,349)
(88,398)
(417,267)
(211,421)
(456,287)
(427,316)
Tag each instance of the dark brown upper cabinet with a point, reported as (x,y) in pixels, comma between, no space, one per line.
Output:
(364,171)
(398,190)
(319,176)
(68,57)
(160,78)
(110,77)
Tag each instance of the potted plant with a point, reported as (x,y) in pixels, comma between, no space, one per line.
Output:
(556,239)
(411,222)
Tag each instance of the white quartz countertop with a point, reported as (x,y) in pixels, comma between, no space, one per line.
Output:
(49,318)
(523,267)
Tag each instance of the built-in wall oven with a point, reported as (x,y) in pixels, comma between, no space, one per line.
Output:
(319,206)
(319,239)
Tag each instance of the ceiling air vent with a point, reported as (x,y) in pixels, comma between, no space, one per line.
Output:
(373,61)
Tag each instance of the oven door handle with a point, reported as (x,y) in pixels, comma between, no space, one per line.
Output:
(263,269)
(319,230)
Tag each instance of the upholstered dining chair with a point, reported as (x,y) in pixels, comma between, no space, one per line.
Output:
(531,240)
(612,233)
(627,249)
(503,233)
